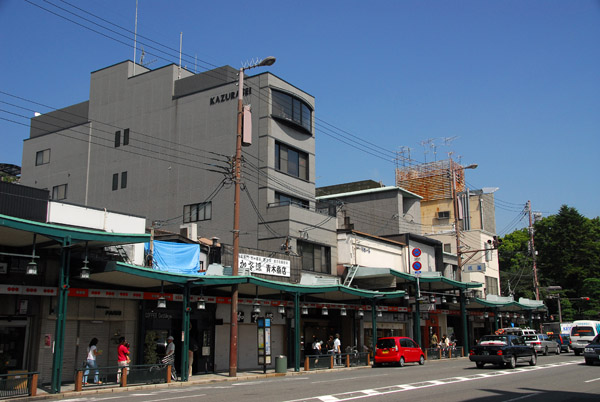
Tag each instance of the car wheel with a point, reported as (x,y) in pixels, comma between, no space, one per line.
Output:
(577,353)
(589,362)
(558,350)
(376,364)
(512,363)
(546,351)
(401,362)
(533,360)
(422,360)
(480,364)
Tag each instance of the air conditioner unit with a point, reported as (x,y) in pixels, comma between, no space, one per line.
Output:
(189,230)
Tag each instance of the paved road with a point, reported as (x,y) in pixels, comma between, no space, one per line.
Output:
(555,378)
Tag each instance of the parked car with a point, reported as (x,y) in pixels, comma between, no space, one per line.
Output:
(541,343)
(563,340)
(502,350)
(398,350)
(591,352)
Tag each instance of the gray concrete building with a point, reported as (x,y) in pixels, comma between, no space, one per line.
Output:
(159,143)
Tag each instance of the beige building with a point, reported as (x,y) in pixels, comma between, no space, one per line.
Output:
(436,182)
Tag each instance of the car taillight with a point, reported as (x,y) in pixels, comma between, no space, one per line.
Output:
(499,353)
(536,343)
(471,352)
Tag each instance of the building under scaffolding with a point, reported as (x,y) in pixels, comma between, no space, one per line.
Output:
(433,180)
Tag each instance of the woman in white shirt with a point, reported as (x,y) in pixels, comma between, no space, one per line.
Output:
(91,361)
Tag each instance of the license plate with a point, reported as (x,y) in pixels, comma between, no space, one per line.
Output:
(485,353)
(385,352)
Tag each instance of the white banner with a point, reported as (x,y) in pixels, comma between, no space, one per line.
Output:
(263,265)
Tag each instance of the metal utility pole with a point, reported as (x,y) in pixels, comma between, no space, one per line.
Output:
(237,166)
(536,284)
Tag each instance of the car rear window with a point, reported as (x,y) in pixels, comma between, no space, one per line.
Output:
(386,343)
(530,337)
(493,340)
(582,331)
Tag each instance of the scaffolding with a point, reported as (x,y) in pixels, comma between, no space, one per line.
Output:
(432,180)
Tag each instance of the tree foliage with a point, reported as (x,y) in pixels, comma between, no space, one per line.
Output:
(568,255)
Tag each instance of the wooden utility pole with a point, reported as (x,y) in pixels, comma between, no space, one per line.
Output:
(536,284)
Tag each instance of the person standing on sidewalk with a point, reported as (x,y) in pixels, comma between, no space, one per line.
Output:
(91,361)
(122,357)
(170,357)
(337,349)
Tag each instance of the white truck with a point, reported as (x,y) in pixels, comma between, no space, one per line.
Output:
(582,333)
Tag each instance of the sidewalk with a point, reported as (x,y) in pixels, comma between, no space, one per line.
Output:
(67,390)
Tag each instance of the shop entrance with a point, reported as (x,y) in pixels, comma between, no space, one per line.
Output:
(14,335)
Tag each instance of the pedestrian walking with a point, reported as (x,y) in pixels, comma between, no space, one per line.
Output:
(337,348)
(170,357)
(122,357)
(91,362)
(192,349)
(434,341)
(316,348)
(329,346)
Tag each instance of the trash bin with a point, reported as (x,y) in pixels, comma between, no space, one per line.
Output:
(281,364)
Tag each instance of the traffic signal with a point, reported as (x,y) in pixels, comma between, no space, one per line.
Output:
(585,298)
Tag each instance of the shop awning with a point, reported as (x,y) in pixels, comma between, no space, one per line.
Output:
(435,283)
(122,274)
(17,232)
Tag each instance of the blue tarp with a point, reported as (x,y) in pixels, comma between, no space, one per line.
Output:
(176,257)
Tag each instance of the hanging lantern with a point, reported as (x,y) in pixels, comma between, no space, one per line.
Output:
(324,311)
(256,306)
(31,268)
(304,310)
(281,309)
(343,311)
(201,304)
(361,313)
(162,302)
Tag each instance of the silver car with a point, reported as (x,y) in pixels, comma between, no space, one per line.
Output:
(542,344)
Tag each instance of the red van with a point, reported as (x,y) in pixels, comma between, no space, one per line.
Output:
(398,350)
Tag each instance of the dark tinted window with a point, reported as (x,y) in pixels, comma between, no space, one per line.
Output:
(386,343)
(292,109)
(582,331)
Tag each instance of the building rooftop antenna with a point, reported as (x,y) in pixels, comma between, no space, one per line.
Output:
(426,144)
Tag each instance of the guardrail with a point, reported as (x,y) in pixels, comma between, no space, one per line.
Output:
(329,361)
(123,376)
(21,383)
(444,353)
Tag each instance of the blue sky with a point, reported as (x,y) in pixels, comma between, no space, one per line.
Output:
(515,83)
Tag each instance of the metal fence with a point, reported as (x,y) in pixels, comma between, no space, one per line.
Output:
(18,384)
(86,378)
(329,361)
(444,353)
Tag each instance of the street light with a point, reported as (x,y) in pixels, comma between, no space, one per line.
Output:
(233,337)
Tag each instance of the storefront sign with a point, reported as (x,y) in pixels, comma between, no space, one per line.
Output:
(263,265)
(228,96)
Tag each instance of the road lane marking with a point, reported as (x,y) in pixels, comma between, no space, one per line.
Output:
(346,396)
(592,380)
